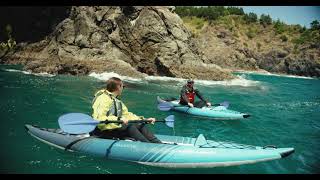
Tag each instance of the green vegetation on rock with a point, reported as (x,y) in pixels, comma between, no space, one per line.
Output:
(234,39)
(8,45)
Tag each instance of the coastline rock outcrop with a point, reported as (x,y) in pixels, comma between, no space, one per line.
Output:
(129,40)
(234,50)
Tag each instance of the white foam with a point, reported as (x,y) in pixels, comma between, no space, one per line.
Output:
(239,81)
(45,74)
(292,76)
(15,70)
(272,74)
(107,75)
(164,78)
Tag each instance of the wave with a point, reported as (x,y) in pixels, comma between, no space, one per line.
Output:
(295,105)
(44,74)
(239,81)
(272,74)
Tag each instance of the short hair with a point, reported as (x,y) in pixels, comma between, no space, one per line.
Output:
(112,84)
(190,81)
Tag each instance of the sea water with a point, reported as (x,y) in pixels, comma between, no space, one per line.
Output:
(285,112)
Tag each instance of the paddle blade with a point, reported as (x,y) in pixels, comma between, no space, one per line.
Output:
(164,106)
(170,121)
(77,123)
(225,104)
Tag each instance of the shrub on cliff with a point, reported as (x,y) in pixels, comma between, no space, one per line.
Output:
(284,38)
(251,33)
(279,27)
(10,44)
(209,13)
(309,36)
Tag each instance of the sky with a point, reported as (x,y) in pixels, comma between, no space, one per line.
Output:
(302,15)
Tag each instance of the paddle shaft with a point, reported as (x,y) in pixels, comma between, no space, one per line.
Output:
(132,121)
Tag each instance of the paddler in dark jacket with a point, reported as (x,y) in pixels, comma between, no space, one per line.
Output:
(188,93)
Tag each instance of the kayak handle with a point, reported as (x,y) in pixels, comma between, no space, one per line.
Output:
(270,146)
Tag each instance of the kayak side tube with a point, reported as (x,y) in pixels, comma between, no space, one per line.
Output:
(179,152)
(219,112)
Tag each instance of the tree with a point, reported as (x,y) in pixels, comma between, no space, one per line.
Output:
(315,25)
(265,20)
(250,18)
(235,10)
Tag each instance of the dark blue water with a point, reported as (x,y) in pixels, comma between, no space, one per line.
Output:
(285,112)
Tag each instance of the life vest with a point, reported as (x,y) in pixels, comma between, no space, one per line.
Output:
(190,96)
(116,107)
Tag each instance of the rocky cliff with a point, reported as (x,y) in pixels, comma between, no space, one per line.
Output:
(231,43)
(133,41)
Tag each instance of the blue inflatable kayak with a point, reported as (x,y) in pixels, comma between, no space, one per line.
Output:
(217,112)
(176,152)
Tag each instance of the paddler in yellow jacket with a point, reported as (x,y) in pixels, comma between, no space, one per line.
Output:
(107,106)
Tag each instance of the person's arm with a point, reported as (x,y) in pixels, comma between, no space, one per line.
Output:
(129,115)
(200,96)
(126,115)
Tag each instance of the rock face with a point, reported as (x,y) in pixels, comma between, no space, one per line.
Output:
(131,40)
(222,48)
(232,49)
(305,63)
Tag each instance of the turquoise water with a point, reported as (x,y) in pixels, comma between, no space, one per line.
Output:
(285,112)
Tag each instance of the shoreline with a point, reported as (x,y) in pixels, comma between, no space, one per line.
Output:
(237,81)
(96,75)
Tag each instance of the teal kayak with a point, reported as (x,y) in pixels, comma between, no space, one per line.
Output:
(217,112)
(175,152)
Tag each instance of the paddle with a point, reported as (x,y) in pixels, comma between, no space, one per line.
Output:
(166,106)
(224,103)
(79,123)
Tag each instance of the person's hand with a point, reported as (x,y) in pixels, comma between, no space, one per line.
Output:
(209,104)
(152,120)
(190,104)
(125,121)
